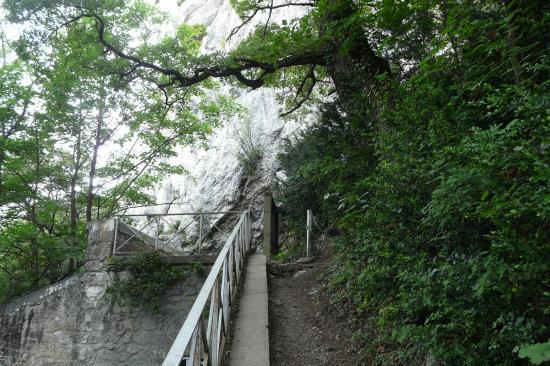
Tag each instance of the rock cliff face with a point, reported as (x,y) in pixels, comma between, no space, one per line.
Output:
(216,180)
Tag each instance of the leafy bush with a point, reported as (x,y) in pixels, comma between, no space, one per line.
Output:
(442,190)
(31,258)
(250,159)
(328,158)
(149,279)
(536,353)
(250,152)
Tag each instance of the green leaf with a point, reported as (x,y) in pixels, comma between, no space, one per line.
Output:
(536,353)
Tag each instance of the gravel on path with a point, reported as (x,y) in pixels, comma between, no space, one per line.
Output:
(304,329)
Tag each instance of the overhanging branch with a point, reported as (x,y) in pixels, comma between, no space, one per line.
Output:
(261,8)
(178,79)
(298,103)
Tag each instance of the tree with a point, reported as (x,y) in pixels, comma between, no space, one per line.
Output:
(329,40)
(63,104)
(444,226)
(353,43)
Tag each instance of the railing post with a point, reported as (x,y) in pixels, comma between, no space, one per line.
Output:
(274,227)
(271,230)
(200,233)
(249,230)
(309,224)
(115,236)
(157,234)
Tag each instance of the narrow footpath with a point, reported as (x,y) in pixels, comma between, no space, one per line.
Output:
(304,329)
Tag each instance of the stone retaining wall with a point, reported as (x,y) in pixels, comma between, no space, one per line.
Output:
(73,323)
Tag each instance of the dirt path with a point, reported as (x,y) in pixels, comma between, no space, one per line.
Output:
(303,327)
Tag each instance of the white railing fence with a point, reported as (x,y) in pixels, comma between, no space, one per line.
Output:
(201,339)
(157,232)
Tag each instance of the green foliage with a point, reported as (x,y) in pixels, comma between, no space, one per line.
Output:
(32,258)
(149,278)
(440,185)
(250,153)
(290,249)
(250,159)
(327,158)
(536,353)
(199,269)
(63,106)
(282,256)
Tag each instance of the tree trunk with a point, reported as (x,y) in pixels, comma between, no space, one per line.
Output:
(93,163)
(2,157)
(35,260)
(74,179)
(353,65)
(4,138)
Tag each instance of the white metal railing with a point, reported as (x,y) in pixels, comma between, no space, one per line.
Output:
(309,228)
(198,343)
(152,232)
(311,221)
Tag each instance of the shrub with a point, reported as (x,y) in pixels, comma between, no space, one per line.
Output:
(250,153)
(149,279)
(444,208)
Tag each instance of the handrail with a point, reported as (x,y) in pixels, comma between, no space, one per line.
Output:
(179,213)
(197,344)
(155,237)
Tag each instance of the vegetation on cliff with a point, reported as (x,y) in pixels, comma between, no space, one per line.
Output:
(143,279)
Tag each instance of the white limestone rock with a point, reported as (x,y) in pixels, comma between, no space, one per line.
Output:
(215,174)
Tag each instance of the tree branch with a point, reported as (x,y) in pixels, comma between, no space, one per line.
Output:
(310,76)
(268,19)
(15,126)
(315,57)
(258,9)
